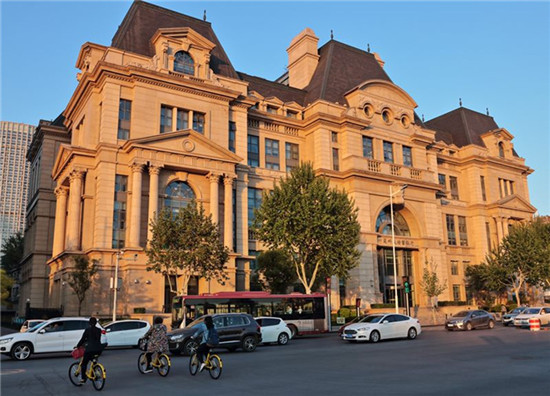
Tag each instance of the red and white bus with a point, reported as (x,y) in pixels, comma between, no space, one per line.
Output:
(303,313)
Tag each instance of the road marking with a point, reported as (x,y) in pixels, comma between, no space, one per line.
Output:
(13,371)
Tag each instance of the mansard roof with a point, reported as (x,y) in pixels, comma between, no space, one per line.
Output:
(462,127)
(144,19)
(269,88)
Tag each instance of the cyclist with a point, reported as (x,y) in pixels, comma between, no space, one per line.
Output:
(157,341)
(209,339)
(92,339)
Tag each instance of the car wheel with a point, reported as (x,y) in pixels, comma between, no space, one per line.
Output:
(411,334)
(469,326)
(249,343)
(21,351)
(374,336)
(293,331)
(491,324)
(282,339)
(190,347)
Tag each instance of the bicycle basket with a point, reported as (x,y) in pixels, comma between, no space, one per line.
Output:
(77,353)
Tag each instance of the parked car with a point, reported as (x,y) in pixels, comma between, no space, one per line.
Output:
(354,320)
(540,313)
(468,320)
(509,317)
(54,335)
(29,324)
(126,332)
(378,327)
(235,330)
(274,330)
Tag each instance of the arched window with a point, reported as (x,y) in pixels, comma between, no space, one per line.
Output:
(177,195)
(183,63)
(501,150)
(383,223)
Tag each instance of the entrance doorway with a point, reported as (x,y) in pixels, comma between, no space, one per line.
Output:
(403,266)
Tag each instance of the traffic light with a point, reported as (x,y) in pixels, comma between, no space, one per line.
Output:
(406,284)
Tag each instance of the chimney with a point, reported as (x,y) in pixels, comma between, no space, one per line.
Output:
(380,61)
(302,58)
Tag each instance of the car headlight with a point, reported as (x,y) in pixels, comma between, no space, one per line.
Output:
(5,340)
(363,328)
(177,338)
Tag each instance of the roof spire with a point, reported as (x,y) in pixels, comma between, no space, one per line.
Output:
(487,111)
(204,16)
(422,117)
(331,34)
(460,101)
(368,48)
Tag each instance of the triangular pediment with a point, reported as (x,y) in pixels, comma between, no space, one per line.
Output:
(515,203)
(184,35)
(186,142)
(66,154)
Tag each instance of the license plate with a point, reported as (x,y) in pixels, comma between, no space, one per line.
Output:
(348,336)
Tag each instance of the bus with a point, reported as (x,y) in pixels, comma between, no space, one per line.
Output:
(303,313)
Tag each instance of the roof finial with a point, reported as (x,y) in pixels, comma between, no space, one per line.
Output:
(368,48)
(487,111)
(460,101)
(422,117)
(331,34)
(204,16)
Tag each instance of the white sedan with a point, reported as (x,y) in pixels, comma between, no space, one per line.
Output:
(274,330)
(126,332)
(378,327)
(540,313)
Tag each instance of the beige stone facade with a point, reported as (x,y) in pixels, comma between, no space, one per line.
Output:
(161,116)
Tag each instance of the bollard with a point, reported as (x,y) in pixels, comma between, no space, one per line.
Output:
(534,324)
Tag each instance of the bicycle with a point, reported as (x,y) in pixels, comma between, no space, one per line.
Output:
(96,373)
(161,363)
(213,363)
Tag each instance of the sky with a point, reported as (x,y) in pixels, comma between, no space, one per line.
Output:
(492,54)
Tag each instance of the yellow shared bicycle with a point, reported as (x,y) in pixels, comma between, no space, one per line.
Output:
(213,364)
(96,373)
(161,363)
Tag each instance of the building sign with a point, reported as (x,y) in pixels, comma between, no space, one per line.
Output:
(399,242)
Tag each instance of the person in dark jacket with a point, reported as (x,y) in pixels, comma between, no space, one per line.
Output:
(92,339)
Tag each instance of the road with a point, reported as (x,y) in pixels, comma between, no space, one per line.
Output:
(502,361)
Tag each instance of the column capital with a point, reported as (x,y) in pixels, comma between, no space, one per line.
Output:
(228,180)
(137,167)
(153,169)
(61,191)
(76,174)
(213,177)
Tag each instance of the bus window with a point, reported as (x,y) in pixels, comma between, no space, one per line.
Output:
(240,307)
(262,308)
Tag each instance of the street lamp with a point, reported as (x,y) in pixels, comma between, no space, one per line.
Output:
(403,187)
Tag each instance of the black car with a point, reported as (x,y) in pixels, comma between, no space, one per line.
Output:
(236,330)
(468,320)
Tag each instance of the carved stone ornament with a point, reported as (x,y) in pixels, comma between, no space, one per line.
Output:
(188,145)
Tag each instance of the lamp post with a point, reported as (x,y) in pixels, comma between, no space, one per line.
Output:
(404,186)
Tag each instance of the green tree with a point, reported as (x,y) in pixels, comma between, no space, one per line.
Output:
(12,252)
(315,225)
(80,278)
(277,271)
(6,283)
(431,285)
(186,244)
(483,284)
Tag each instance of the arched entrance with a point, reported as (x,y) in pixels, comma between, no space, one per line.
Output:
(404,257)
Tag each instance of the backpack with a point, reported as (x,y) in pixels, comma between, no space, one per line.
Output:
(213,338)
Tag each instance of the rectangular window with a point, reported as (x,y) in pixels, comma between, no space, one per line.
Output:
(456,292)
(511,187)
(292,156)
(367,147)
(454,267)
(388,152)
(254,202)
(483,194)
(232,133)
(407,156)
(119,212)
(451,233)
(334,137)
(462,231)
(183,120)
(253,150)
(291,114)
(335,160)
(165,119)
(198,122)
(271,109)
(272,154)
(488,233)
(453,184)
(124,115)
(442,180)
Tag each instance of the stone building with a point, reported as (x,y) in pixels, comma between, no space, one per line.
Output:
(160,117)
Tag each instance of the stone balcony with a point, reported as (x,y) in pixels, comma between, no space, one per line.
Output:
(385,168)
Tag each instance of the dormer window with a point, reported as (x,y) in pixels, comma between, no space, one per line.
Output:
(501,150)
(271,109)
(183,63)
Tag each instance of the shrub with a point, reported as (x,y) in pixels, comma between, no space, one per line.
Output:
(451,303)
(140,310)
(382,305)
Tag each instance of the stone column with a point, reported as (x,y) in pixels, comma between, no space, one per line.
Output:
(135,215)
(228,212)
(154,172)
(505,225)
(499,229)
(214,196)
(73,217)
(60,220)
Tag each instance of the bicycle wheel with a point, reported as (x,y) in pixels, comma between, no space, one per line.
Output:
(142,363)
(215,366)
(194,364)
(74,374)
(164,365)
(98,376)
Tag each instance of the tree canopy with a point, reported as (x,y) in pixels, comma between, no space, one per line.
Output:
(277,271)
(313,224)
(80,278)
(12,252)
(6,283)
(431,284)
(186,244)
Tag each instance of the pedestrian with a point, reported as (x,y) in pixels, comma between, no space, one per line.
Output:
(157,341)
(92,339)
